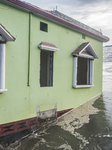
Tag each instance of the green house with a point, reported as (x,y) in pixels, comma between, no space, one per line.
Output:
(47,61)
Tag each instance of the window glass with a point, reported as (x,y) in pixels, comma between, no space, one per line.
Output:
(43,27)
(46,68)
(83,36)
(83,72)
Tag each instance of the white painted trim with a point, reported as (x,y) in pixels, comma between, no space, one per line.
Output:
(75,72)
(93,51)
(83,86)
(91,71)
(2,66)
(5,34)
(84,48)
(48,48)
(89,77)
(86,56)
(3,90)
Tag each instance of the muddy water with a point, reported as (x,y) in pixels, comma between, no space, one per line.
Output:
(87,128)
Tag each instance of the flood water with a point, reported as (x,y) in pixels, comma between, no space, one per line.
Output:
(87,128)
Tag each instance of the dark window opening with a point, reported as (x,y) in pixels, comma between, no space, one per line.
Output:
(83,36)
(83,73)
(43,27)
(46,68)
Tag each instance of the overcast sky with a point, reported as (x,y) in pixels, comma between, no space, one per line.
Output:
(95,13)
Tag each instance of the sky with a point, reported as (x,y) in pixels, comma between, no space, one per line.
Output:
(94,13)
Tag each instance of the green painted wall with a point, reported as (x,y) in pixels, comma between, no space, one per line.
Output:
(20,101)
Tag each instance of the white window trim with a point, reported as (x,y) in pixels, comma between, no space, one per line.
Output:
(75,74)
(2,68)
(83,86)
(4,37)
(3,90)
(48,48)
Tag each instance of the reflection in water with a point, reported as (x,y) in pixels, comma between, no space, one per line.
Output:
(87,128)
(79,130)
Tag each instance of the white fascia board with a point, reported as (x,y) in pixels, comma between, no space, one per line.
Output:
(83,86)
(6,35)
(86,56)
(3,90)
(48,48)
(92,51)
(84,48)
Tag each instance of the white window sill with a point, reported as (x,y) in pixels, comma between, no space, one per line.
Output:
(82,86)
(3,90)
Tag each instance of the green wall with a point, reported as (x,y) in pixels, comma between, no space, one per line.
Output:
(20,101)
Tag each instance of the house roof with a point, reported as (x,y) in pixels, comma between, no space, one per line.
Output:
(48,46)
(58,19)
(67,18)
(85,50)
(5,35)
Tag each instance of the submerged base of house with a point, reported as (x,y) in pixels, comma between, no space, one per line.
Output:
(15,131)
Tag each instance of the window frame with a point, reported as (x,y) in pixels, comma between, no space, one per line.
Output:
(2,68)
(5,36)
(89,77)
(86,51)
(51,48)
(43,27)
(47,71)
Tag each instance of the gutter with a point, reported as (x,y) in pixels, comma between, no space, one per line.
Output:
(54,18)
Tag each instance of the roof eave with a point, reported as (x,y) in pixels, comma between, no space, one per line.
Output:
(89,48)
(52,17)
(6,35)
